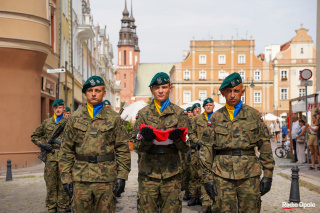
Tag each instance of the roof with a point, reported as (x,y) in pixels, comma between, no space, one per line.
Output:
(285,46)
(145,73)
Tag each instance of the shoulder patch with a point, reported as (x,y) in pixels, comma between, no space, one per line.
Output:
(185,112)
(209,123)
(137,116)
(261,118)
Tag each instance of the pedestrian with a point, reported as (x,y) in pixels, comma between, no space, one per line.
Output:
(107,103)
(67,112)
(277,130)
(272,129)
(159,137)
(232,179)
(294,130)
(95,158)
(199,124)
(313,142)
(196,109)
(284,130)
(300,139)
(57,199)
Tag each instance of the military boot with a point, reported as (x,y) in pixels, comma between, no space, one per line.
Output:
(194,201)
(186,195)
(206,209)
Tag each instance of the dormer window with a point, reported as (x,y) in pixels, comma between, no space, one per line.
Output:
(301,50)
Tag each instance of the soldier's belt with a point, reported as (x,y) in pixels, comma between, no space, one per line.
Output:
(236,152)
(159,149)
(95,158)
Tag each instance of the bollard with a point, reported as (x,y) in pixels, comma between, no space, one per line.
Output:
(9,173)
(294,191)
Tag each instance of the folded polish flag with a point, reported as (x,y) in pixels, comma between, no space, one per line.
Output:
(162,136)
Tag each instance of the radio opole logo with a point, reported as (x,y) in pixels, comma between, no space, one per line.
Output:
(300,205)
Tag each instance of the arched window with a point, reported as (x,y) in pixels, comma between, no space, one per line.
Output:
(125,57)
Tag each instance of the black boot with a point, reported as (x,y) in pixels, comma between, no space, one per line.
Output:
(206,209)
(186,195)
(194,201)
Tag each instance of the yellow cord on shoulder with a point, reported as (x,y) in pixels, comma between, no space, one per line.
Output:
(90,109)
(206,115)
(158,106)
(230,111)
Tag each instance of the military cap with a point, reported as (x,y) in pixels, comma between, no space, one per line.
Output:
(58,102)
(231,81)
(189,109)
(159,79)
(208,100)
(195,106)
(68,109)
(93,81)
(106,102)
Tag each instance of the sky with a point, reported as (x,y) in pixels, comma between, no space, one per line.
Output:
(165,28)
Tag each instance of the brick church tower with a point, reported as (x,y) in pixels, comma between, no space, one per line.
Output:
(128,56)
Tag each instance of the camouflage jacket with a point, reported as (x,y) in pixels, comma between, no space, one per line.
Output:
(199,124)
(102,135)
(245,132)
(44,132)
(160,166)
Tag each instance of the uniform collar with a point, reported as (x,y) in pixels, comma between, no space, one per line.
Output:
(167,111)
(241,115)
(101,115)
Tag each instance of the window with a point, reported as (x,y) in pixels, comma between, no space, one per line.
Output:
(284,94)
(222,59)
(243,98)
(118,102)
(284,75)
(124,85)
(130,57)
(125,57)
(301,50)
(222,75)
(302,92)
(257,97)
(222,100)
(202,95)
(202,75)
(186,97)
(243,75)
(186,75)
(119,57)
(257,75)
(52,31)
(241,59)
(124,76)
(202,59)
(135,59)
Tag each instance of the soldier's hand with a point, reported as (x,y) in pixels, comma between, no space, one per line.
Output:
(211,189)
(265,185)
(147,133)
(175,134)
(195,145)
(68,187)
(46,146)
(118,187)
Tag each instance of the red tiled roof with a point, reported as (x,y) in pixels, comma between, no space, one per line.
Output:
(262,56)
(285,46)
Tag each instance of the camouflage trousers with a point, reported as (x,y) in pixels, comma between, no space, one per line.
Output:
(235,196)
(57,198)
(163,194)
(194,184)
(93,197)
(206,201)
(185,159)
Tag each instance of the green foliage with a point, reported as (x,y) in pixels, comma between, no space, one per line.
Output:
(128,126)
(122,103)
(149,102)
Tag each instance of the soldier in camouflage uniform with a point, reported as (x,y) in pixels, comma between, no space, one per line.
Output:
(159,164)
(195,187)
(57,199)
(95,157)
(232,179)
(199,124)
(67,112)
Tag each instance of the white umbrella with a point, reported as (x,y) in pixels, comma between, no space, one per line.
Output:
(132,110)
(270,117)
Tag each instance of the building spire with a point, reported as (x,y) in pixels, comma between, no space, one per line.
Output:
(131,15)
(125,12)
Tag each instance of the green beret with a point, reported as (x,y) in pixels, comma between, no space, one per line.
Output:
(93,81)
(58,102)
(208,100)
(231,81)
(189,109)
(106,102)
(195,106)
(68,109)
(159,79)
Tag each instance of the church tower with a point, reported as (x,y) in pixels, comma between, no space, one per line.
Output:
(128,57)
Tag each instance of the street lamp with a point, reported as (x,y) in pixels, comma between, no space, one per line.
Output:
(251,85)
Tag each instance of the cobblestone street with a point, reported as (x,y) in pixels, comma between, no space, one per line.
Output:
(26,193)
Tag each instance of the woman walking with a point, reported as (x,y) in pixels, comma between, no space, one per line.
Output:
(277,130)
(313,142)
(300,138)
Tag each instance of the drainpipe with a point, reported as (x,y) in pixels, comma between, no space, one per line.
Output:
(60,26)
(71,18)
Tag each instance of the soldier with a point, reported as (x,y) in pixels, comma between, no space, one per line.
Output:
(67,112)
(57,199)
(190,113)
(232,179)
(107,103)
(196,109)
(159,163)
(95,158)
(199,124)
